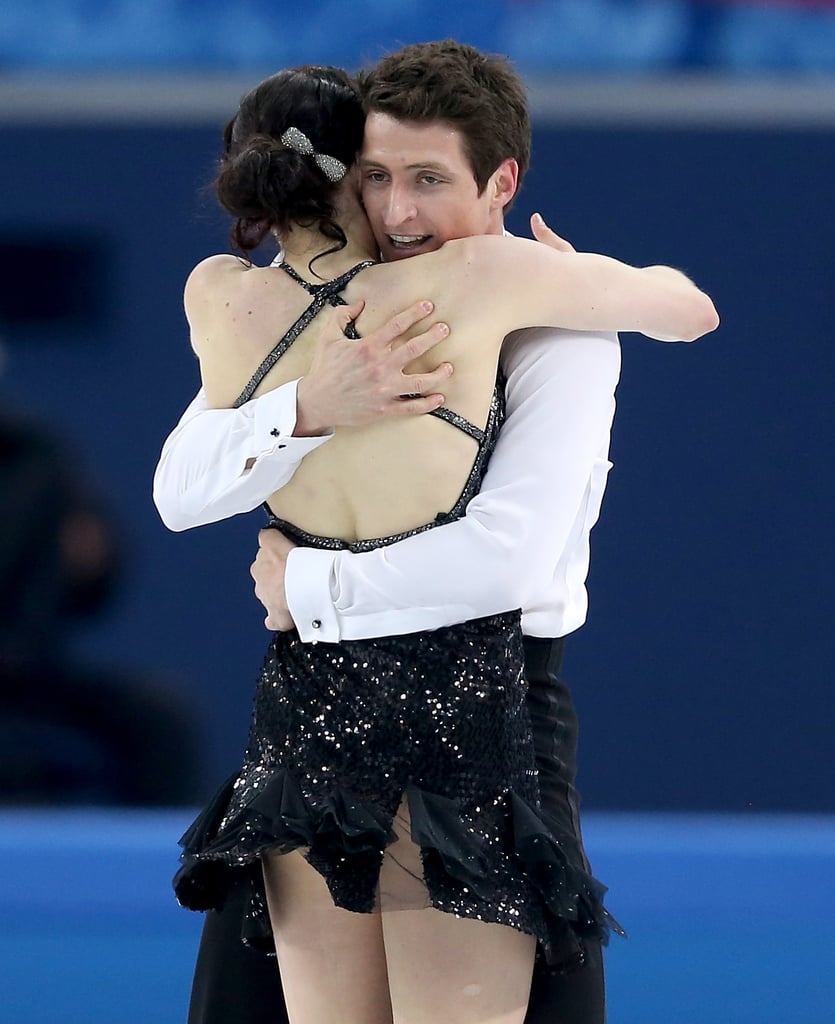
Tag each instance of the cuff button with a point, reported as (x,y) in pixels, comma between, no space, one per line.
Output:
(275,432)
(317,623)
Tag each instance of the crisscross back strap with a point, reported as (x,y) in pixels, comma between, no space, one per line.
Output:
(327,293)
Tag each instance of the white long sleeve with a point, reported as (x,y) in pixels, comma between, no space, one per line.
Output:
(524,541)
(217,463)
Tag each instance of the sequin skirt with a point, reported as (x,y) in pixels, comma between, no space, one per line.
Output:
(348,737)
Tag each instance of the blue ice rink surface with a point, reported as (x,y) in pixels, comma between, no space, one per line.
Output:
(731,920)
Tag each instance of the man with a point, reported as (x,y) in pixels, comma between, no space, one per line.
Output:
(441,119)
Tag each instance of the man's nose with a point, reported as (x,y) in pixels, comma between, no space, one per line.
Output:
(401,206)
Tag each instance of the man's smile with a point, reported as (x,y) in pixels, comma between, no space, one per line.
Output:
(408,241)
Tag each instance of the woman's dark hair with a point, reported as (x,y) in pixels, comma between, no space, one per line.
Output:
(267,186)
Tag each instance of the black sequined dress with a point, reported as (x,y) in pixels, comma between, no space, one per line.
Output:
(432,726)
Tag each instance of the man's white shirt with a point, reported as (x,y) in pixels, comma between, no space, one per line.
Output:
(523,543)
(217,463)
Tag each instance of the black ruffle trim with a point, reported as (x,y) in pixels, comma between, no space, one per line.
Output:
(573,898)
(279,818)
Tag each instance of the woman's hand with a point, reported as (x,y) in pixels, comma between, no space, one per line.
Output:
(542,233)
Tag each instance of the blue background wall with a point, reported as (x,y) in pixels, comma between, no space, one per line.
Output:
(703,674)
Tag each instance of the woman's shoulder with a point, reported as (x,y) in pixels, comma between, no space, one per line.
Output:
(211,273)
(218,281)
(210,269)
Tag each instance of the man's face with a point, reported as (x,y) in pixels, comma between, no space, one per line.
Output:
(419,190)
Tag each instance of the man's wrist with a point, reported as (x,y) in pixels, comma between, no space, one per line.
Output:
(308,577)
(309,418)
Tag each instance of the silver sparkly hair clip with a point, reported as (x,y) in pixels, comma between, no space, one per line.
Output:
(332,168)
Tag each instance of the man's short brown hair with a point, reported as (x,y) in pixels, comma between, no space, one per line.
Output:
(479,94)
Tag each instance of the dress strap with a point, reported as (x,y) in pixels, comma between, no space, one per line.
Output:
(330,288)
(325,293)
(490,434)
(458,421)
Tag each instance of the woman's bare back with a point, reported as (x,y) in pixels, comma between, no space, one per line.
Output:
(375,480)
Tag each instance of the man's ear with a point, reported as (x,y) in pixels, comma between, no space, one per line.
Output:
(503,183)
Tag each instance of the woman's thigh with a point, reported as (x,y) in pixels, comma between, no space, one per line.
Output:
(332,961)
(456,970)
(442,967)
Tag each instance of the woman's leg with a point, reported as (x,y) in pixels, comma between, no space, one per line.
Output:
(332,961)
(445,968)
(459,971)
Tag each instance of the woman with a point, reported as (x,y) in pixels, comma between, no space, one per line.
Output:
(423,739)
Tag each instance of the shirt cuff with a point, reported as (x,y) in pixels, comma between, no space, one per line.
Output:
(275,421)
(307,586)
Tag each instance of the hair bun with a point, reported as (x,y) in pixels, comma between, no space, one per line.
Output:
(258,153)
(257,178)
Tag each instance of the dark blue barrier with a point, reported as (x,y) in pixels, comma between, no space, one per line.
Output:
(702,675)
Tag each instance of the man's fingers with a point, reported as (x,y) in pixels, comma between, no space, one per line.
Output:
(413,405)
(272,540)
(346,315)
(413,385)
(399,324)
(341,317)
(414,347)
(278,623)
(421,392)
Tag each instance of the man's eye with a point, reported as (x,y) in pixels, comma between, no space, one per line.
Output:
(430,179)
(375,176)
